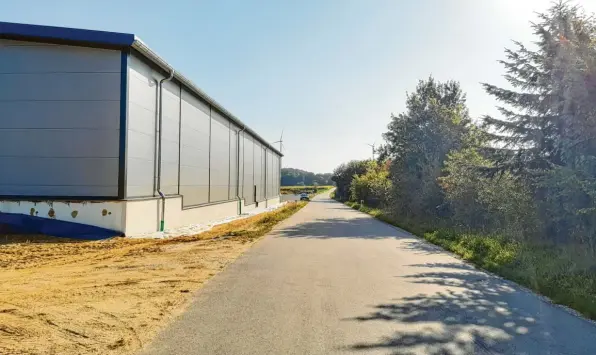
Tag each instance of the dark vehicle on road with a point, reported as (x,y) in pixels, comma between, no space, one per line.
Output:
(304,197)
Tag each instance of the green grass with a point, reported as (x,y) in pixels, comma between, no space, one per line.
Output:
(565,274)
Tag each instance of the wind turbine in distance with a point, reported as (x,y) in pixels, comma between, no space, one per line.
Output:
(280,141)
(373,149)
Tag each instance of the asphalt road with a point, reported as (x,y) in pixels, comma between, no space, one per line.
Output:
(331,280)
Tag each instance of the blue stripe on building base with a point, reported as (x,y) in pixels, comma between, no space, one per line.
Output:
(15,223)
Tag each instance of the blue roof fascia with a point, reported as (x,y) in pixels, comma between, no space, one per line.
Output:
(91,38)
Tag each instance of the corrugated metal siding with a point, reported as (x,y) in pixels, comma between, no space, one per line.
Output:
(142,132)
(263,187)
(275,170)
(258,170)
(279,167)
(197,141)
(194,150)
(170,144)
(220,158)
(249,176)
(233,161)
(142,111)
(241,165)
(59,120)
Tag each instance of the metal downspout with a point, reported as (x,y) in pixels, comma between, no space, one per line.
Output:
(238,173)
(160,117)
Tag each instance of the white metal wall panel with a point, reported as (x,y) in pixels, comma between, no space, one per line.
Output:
(59,120)
(233,162)
(274,170)
(270,174)
(194,150)
(259,175)
(142,111)
(142,132)
(248,173)
(220,158)
(267,180)
(241,165)
(263,192)
(276,173)
(280,166)
(198,139)
(170,150)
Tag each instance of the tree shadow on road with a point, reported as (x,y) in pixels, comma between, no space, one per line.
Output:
(475,313)
(362,227)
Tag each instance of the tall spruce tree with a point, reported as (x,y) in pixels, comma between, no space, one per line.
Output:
(548,132)
(549,117)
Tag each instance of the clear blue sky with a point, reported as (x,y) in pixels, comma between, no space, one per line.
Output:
(328,72)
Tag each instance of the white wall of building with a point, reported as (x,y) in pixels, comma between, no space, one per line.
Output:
(199,146)
(143,216)
(131,217)
(194,150)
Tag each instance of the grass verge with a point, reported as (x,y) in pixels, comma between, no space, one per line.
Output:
(565,274)
(61,296)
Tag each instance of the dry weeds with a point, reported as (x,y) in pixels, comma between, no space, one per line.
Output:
(61,296)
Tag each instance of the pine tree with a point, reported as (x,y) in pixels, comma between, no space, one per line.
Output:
(549,117)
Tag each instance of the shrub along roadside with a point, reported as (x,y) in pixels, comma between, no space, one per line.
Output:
(560,273)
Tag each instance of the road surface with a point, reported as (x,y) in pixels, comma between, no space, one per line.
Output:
(331,280)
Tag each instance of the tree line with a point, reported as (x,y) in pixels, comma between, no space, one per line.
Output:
(528,175)
(297,177)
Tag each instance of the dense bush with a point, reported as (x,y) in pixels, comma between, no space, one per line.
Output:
(343,176)
(373,187)
(488,204)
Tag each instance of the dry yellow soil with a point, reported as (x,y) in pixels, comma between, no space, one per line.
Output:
(60,296)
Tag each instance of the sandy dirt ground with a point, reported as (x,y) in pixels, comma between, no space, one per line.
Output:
(67,297)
